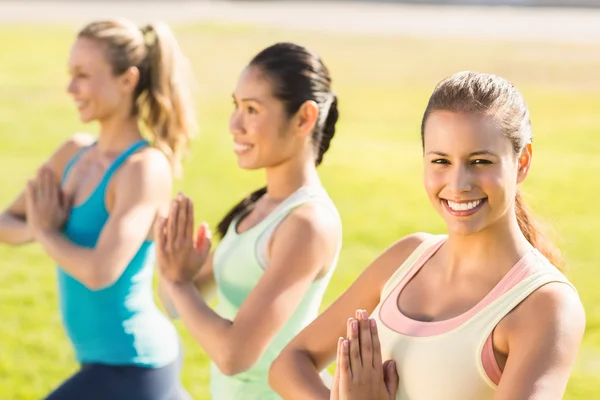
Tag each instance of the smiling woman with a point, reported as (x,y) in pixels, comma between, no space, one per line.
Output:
(94,202)
(280,245)
(481,312)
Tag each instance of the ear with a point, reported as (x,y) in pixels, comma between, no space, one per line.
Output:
(524,163)
(129,79)
(307,117)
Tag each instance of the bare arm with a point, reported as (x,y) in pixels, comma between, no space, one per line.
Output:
(204,282)
(13,221)
(303,245)
(142,188)
(543,336)
(294,375)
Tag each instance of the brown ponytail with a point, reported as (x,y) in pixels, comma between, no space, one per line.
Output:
(535,235)
(161,97)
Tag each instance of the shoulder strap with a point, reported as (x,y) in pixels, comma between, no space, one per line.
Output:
(74,159)
(302,196)
(503,305)
(417,257)
(119,161)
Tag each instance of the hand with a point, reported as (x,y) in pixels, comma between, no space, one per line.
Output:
(359,373)
(46,207)
(180,256)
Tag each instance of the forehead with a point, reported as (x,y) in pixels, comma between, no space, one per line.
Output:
(462,133)
(253,83)
(87,53)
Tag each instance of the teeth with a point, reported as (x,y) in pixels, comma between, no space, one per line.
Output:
(241,147)
(463,206)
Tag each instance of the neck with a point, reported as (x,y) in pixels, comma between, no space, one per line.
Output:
(284,179)
(117,133)
(500,245)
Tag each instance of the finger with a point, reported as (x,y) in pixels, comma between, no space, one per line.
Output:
(354,347)
(391,378)
(42,184)
(346,371)
(366,344)
(189,227)
(172,226)
(51,187)
(158,233)
(29,193)
(182,213)
(203,238)
(377,363)
(33,185)
(335,385)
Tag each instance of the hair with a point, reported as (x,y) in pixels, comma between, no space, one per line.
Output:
(491,95)
(161,100)
(297,75)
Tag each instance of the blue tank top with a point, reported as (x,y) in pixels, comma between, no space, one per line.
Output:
(119,324)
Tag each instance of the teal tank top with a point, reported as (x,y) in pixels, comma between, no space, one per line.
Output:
(238,266)
(120,324)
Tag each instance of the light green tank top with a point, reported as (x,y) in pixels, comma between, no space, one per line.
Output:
(238,268)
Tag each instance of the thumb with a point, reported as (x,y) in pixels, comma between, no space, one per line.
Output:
(203,238)
(390,377)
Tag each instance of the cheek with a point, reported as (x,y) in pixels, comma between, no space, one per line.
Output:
(497,184)
(433,182)
(106,95)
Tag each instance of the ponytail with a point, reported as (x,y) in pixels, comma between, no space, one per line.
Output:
(242,208)
(161,99)
(328,130)
(163,102)
(533,233)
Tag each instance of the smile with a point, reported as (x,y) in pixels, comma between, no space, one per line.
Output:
(464,208)
(239,148)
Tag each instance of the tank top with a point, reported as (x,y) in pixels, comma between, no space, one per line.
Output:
(453,359)
(119,324)
(238,266)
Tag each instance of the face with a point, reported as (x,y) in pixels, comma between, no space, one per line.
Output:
(471,172)
(98,94)
(263,134)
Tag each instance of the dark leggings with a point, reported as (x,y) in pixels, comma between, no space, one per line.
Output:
(107,382)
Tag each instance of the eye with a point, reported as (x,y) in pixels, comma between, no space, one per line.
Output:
(251,110)
(440,161)
(480,162)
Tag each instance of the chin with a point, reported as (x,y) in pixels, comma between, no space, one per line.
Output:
(246,164)
(86,117)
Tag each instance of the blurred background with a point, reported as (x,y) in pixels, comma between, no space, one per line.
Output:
(385,58)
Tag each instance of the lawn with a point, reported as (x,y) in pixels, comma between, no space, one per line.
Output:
(372,170)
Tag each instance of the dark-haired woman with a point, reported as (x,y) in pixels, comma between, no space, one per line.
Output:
(279,246)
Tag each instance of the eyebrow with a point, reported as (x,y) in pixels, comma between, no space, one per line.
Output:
(247,99)
(472,154)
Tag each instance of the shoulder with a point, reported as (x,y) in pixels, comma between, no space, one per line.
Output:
(383,267)
(146,171)
(68,149)
(309,223)
(555,312)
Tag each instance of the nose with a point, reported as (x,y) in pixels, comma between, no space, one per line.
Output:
(460,179)
(236,123)
(71,86)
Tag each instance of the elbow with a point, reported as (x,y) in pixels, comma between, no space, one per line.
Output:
(99,279)
(232,362)
(278,372)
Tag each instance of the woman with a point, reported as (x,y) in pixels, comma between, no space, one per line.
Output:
(280,245)
(481,312)
(93,204)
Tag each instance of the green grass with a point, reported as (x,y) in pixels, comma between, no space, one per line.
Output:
(372,170)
